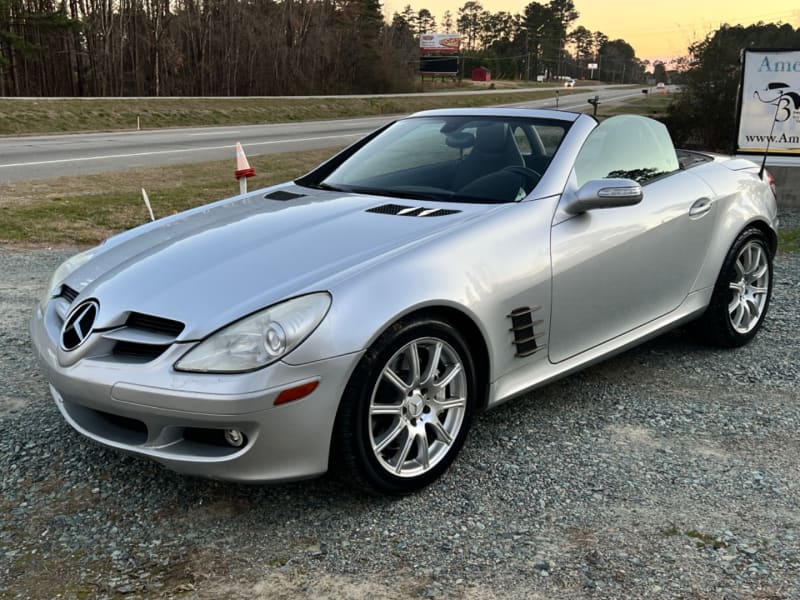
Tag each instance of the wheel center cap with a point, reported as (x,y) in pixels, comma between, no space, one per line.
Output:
(415,404)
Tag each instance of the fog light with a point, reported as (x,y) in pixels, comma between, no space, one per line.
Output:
(234,437)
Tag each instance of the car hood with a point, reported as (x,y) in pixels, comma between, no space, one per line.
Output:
(215,264)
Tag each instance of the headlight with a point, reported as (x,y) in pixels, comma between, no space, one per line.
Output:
(64,270)
(258,340)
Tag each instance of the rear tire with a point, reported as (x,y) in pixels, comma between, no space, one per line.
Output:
(407,408)
(741,294)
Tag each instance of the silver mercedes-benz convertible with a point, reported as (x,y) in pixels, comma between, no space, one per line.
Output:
(357,318)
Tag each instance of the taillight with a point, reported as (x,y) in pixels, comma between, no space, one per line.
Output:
(771,181)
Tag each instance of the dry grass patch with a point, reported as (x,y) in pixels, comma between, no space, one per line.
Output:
(84,210)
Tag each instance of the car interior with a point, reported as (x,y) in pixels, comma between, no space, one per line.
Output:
(461,159)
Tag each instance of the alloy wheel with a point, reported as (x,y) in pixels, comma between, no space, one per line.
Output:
(749,287)
(417,407)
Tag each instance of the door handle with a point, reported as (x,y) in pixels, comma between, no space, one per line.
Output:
(700,207)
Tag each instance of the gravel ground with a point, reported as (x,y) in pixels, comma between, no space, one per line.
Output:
(671,471)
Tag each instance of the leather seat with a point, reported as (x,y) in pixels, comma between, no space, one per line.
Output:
(494,150)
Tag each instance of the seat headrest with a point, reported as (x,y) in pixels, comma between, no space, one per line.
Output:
(491,138)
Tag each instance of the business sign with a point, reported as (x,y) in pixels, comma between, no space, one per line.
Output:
(439,43)
(769,104)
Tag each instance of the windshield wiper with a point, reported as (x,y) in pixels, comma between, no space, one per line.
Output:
(324,186)
(409,194)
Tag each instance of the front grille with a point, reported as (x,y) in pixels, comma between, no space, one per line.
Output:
(154,324)
(68,293)
(133,426)
(144,337)
(107,426)
(139,352)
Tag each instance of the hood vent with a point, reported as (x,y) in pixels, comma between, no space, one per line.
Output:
(411,211)
(283,195)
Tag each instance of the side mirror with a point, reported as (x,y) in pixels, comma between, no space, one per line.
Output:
(605,193)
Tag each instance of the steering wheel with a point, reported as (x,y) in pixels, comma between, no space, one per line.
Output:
(533,176)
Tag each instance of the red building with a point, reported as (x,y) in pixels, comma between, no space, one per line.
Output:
(481,74)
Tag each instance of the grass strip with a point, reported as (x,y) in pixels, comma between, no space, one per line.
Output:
(649,105)
(85,210)
(62,115)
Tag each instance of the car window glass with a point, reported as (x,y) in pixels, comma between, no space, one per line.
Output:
(417,144)
(627,146)
(451,158)
(551,137)
(523,143)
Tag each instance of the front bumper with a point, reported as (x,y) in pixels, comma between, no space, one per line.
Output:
(178,419)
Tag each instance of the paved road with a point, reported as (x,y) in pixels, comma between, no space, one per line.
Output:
(81,154)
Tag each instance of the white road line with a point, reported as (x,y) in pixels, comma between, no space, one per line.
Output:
(181,151)
(224,132)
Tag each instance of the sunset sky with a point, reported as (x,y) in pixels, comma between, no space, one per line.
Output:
(654,29)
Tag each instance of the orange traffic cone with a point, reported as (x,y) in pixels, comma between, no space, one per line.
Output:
(243,169)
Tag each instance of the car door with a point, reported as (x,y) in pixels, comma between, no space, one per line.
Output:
(618,268)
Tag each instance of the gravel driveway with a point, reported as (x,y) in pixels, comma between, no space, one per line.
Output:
(670,471)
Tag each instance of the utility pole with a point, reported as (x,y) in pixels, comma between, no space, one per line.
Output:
(527,58)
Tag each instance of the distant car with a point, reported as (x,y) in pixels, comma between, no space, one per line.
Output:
(661,85)
(359,317)
(569,82)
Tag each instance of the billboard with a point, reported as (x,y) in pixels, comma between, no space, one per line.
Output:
(769,103)
(439,43)
(438,65)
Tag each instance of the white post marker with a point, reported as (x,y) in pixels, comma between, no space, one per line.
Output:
(243,169)
(147,204)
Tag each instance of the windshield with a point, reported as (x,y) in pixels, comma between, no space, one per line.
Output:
(452,158)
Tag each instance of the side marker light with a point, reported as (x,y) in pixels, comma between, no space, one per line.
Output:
(295,393)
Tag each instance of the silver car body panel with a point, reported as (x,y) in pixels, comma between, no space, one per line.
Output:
(215,264)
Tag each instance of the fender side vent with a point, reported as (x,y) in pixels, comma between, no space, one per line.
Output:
(283,195)
(523,326)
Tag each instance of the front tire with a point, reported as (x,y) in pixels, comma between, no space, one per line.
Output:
(407,407)
(742,292)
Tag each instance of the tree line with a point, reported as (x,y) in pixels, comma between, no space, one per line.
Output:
(198,48)
(286,47)
(542,41)
(703,114)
